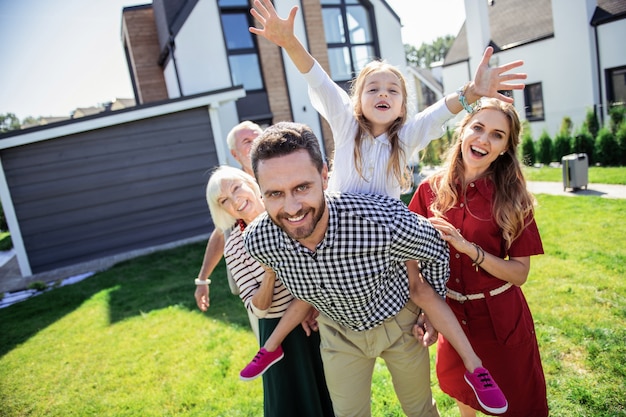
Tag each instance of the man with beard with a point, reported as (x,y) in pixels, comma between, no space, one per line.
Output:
(345,254)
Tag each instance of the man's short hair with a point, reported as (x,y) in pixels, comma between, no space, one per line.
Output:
(285,138)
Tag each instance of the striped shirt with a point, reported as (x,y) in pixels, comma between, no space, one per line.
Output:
(357,274)
(248,275)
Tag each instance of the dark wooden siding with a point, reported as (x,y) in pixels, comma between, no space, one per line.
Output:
(111,190)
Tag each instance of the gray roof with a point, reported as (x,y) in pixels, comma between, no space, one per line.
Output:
(608,11)
(515,23)
(512,23)
(428,77)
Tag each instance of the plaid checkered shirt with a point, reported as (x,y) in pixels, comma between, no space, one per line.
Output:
(356,276)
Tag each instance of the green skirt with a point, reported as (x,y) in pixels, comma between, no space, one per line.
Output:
(295,386)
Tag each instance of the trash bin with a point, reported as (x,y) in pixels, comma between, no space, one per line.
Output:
(575,171)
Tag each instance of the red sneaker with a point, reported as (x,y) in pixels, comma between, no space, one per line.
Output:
(261,363)
(488,394)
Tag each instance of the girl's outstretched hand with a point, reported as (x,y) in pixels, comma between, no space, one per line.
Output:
(488,81)
(273,28)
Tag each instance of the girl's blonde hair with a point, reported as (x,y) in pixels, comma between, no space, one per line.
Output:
(221,218)
(396,166)
(512,203)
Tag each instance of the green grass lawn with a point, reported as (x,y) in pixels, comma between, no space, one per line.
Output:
(130,341)
(597,175)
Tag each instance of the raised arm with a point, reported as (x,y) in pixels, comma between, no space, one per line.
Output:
(280,32)
(487,82)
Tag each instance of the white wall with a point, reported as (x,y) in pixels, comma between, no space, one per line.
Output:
(612,51)
(198,43)
(565,65)
(171,82)
(569,86)
(390,36)
(228,118)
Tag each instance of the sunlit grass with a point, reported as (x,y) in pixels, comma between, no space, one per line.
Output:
(596,175)
(131,342)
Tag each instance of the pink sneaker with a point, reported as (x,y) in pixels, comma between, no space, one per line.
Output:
(488,394)
(261,363)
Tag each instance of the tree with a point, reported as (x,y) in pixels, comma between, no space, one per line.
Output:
(528,150)
(620,136)
(426,54)
(617,116)
(8,122)
(544,154)
(562,144)
(607,148)
(591,124)
(584,142)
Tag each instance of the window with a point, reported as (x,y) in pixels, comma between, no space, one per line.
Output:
(533,100)
(240,44)
(616,86)
(348,29)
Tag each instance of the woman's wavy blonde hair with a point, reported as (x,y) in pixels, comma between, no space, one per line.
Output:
(512,203)
(396,166)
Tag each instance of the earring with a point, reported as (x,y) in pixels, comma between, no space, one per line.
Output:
(502,153)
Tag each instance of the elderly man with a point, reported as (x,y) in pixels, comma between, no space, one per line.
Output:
(345,255)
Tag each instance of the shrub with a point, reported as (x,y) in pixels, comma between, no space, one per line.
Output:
(430,154)
(561,146)
(591,123)
(3,220)
(607,149)
(566,126)
(37,286)
(583,142)
(434,152)
(617,116)
(5,241)
(544,155)
(528,150)
(620,138)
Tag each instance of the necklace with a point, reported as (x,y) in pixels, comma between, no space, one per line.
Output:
(242,225)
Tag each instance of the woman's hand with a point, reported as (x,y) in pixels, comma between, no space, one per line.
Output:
(489,81)
(202,297)
(451,235)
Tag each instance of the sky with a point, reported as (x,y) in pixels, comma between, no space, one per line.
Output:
(63,54)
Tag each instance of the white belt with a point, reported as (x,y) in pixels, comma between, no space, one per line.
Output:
(469,297)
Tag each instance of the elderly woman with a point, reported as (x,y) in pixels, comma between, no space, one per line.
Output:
(295,384)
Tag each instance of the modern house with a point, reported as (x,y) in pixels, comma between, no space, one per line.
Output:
(180,47)
(573,52)
(133,179)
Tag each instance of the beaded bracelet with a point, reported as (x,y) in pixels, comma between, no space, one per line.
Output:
(463,100)
(202,281)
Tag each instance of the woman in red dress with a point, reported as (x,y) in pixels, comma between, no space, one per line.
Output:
(482,209)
